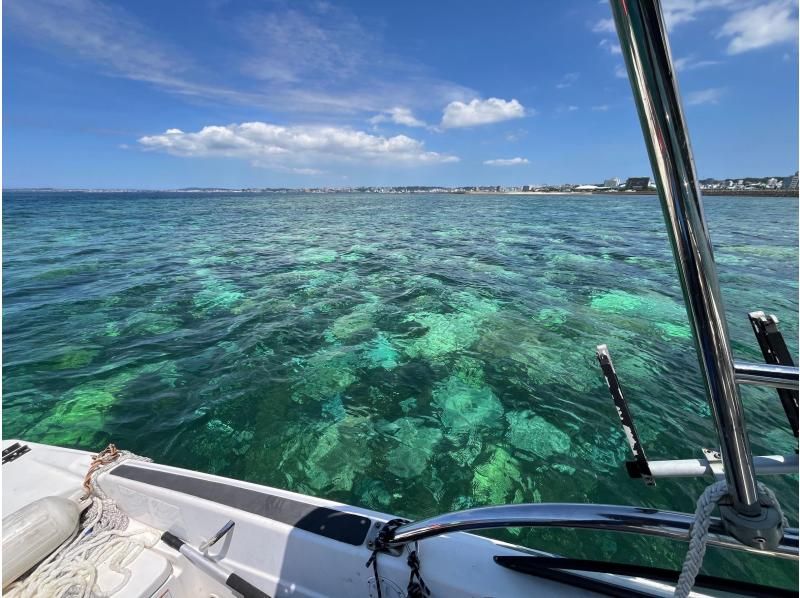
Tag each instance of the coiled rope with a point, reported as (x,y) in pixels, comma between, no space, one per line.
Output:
(698,534)
(71,571)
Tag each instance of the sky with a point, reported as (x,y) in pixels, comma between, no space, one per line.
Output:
(260,93)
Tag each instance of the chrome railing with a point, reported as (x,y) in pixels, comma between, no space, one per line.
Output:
(695,468)
(766,374)
(614,518)
(645,47)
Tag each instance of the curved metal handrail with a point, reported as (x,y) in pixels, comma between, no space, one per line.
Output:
(615,518)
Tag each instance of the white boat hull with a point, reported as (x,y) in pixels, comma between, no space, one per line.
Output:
(284,543)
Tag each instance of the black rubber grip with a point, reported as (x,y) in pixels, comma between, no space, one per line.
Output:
(245,588)
(172,541)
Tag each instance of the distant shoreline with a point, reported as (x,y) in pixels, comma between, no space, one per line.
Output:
(706,192)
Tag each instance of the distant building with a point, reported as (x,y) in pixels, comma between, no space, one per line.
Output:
(526,187)
(612,182)
(772,182)
(790,182)
(638,183)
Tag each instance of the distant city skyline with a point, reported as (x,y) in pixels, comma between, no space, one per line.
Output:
(789,182)
(102,94)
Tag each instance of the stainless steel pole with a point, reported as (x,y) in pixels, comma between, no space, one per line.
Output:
(642,35)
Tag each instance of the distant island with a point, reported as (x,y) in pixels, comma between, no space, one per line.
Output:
(767,186)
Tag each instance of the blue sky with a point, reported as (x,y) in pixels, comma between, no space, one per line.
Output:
(154,94)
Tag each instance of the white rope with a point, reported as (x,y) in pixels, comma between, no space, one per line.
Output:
(74,571)
(698,534)
(71,571)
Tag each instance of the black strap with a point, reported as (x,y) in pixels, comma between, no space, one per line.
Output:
(380,545)
(417,588)
(373,560)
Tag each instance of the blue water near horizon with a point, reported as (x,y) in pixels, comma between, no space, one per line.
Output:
(410,354)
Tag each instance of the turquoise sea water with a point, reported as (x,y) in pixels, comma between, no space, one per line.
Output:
(411,354)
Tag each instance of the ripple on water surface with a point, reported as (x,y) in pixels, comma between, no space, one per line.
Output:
(409,354)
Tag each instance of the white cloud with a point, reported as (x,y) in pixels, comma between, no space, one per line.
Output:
(106,35)
(678,12)
(119,44)
(620,71)
(567,80)
(761,26)
(600,108)
(752,24)
(689,63)
(506,162)
(320,58)
(711,95)
(604,26)
(398,115)
(481,112)
(296,148)
(292,45)
(319,61)
(612,47)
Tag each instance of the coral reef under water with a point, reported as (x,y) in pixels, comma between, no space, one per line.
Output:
(465,409)
(534,434)
(415,446)
(412,354)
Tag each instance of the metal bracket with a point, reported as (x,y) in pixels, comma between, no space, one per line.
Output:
(639,468)
(216,537)
(775,352)
(714,460)
(764,531)
(14,452)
